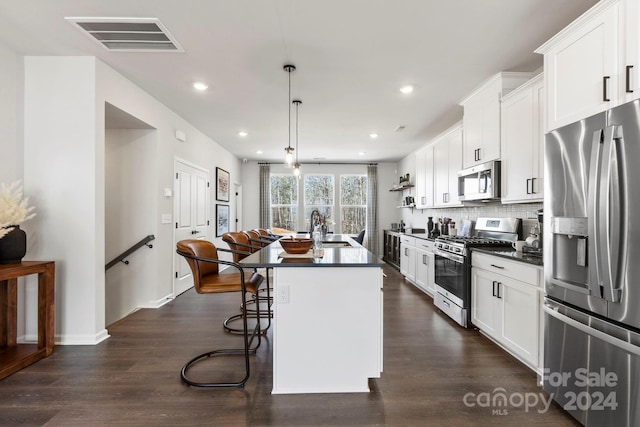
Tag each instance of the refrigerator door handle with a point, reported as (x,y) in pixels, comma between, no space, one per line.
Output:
(595,195)
(609,218)
(628,347)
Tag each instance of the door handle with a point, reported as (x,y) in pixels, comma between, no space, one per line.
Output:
(628,78)
(528,180)
(498,293)
(605,79)
(494,288)
(533,181)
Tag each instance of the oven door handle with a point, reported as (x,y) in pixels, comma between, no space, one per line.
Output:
(457,258)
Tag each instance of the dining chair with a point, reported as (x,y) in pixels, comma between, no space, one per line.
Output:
(202,258)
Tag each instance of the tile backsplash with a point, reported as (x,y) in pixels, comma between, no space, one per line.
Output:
(417,218)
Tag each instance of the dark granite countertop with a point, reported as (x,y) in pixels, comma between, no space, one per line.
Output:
(348,256)
(511,254)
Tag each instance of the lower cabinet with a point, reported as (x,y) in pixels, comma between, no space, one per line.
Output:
(506,305)
(408,257)
(425,267)
(417,263)
(392,248)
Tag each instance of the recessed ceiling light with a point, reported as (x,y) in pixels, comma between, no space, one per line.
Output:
(373,135)
(200,86)
(259,152)
(242,133)
(361,153)
(406,89)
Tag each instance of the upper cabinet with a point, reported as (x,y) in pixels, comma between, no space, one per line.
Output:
(447,161)
(592,64)
(481,122)
(424,177)
(522,145)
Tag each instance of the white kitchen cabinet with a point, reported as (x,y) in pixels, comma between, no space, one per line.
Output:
(631,80)
(522,141)
(408,257)
(505,305)
(424,177)
(417,262)
(592,64)
(481,122)
(447,161)
(425,266)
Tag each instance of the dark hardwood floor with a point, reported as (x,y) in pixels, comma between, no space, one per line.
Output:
(430,365)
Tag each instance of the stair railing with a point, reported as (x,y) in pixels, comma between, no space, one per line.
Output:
(122,257)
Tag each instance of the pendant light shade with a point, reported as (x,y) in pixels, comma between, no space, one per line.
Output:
(296,167)
(289,149)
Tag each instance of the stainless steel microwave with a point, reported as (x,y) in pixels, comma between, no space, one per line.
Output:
(481,182)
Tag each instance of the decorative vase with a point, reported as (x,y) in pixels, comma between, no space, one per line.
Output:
(13,246)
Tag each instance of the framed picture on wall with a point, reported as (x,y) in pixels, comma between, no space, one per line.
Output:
(222,219)
(222,185)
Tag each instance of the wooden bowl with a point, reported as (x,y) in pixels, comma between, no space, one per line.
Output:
(296,245)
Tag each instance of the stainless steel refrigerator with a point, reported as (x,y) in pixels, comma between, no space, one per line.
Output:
(592,267)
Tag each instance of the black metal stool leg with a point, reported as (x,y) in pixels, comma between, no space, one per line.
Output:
(246,351)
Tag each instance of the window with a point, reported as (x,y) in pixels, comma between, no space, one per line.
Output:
(340,197)
(284,201)
(353,203)
(318,194)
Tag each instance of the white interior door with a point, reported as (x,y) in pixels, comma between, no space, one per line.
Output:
(191,216)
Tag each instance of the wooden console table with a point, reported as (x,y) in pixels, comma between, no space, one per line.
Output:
(14,356)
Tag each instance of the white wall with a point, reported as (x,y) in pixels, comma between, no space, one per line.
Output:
(11,95)
(60,173)
(64,172)
(130,213)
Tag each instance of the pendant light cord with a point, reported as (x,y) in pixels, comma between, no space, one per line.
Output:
(290,107)
(297,105)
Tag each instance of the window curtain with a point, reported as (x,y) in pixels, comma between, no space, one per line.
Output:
(265,195)
(372,209)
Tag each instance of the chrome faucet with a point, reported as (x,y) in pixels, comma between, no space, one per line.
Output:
(316,219)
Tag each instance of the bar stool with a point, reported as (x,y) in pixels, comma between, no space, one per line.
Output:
(202,257)
(242,247)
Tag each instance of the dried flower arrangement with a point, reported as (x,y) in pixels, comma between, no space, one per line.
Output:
(14,208)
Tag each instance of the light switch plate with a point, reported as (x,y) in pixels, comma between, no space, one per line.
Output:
(166,218)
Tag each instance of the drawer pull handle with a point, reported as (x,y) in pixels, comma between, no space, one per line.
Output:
(497,266)
(628,88)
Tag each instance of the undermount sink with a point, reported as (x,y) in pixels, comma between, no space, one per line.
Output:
(334,244)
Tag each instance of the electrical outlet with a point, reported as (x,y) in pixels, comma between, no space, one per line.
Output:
(283,295)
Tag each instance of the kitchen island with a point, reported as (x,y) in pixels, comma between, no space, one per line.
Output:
(327,317)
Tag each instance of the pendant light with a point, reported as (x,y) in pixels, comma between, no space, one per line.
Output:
(289,149)
(296,167)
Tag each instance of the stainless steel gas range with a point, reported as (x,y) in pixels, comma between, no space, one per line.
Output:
(453,263)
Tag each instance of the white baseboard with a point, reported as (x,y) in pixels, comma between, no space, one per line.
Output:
(157,303)
(69,339)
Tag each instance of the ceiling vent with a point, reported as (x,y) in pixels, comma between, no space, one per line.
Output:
(128,34)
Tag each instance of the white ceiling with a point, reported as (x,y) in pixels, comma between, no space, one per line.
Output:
(351,57)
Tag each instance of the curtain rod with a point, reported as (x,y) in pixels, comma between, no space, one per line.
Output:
(327,163)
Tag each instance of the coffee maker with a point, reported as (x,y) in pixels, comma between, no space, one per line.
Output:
(533,243)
